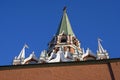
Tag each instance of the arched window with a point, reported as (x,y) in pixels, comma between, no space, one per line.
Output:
(63,39)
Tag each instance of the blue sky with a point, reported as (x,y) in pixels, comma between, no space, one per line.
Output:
(34,22)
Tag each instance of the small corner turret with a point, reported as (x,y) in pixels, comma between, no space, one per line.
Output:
(101,52)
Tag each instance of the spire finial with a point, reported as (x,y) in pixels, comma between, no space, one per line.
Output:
(64,9)
(99,40)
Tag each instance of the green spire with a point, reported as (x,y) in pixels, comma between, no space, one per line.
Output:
(65,26)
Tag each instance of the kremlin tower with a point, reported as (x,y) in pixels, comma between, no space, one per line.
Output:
(63,47)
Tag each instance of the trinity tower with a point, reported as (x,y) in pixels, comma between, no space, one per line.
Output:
(63,47)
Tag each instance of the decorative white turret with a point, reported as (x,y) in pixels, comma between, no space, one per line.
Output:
(21,59)
(43,56)
(32,59)
(52,56)
(76,56)
(68,54)
(21,56)
(22,53)
(101,53)
(60,57)
(89,55)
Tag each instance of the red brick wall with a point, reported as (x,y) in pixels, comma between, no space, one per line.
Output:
(116,70)
(78,72)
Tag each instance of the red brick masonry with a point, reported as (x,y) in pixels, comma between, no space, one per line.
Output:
(88,70)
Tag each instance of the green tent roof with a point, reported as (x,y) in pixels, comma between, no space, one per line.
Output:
(65,26)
